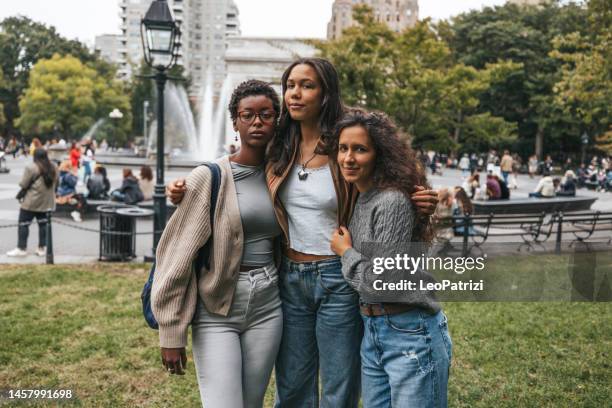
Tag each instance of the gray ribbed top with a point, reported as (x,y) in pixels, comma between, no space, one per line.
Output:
(381,226)
(259,223)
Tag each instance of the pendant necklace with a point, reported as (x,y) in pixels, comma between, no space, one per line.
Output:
(303,174)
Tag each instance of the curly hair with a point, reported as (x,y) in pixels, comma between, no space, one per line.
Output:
(252,87)
(396,167)
(288,137)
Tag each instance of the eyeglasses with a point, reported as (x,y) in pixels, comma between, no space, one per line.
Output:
(247,117)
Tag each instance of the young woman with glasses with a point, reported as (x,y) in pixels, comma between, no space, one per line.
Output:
(322,328)
(235,305)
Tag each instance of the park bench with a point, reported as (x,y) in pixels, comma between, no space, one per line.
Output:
(532,229)
(533,205)
(582,225)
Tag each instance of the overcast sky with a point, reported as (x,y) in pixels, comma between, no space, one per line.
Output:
(84,19)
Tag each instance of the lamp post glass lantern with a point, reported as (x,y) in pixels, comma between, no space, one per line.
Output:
(160,36)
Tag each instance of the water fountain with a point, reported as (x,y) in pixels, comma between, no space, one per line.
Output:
(91,132)
(180,130)
(215,127)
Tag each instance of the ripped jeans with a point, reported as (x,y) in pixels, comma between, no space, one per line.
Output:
(405,360)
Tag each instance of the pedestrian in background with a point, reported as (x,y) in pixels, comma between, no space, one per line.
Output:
(145,182)
(533,165)
(38,187)
(464,165)
(506,165)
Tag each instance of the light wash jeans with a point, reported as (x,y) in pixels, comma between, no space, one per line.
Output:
(322,331)
(234,355)
(405,360)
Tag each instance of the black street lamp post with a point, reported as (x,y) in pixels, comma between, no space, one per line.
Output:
(585,141)
(160,41)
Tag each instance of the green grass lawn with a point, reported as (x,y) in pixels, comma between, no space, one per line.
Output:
(80,327)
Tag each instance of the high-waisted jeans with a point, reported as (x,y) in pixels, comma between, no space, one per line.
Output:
(322,332)
(234,355)
(405,360)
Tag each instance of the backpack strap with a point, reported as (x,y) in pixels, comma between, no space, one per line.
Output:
(203,258)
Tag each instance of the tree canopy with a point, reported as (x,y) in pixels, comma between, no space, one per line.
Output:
(23,43)
(413,77)
(532,78)
(67,96)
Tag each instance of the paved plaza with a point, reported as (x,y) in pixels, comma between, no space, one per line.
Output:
(76,245)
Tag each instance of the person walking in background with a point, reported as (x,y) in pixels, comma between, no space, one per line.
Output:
(548,164)
(516,166)
(38,181)
(464,165)
(145,182)
(11,146)
(129,192)
(533,165)
(506,165)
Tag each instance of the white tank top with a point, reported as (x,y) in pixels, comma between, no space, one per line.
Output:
(312,208)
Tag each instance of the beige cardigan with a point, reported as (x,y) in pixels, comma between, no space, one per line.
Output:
(174,293)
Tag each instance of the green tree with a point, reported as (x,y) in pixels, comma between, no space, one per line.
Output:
(22,43)
(413,77)
(2,117)
(66,94)
(523,35)
(584,88)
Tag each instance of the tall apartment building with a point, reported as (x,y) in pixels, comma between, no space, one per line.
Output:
(209,24)
(397,14)
(205,25)
(108,46)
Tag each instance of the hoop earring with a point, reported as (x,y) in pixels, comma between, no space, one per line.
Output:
(236,137)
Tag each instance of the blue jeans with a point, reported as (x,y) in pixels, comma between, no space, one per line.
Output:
(405,360)
(505,175)
(322,331)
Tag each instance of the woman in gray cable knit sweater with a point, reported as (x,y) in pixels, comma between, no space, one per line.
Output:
(406,348)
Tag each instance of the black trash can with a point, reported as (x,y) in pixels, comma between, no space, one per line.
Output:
(117,233)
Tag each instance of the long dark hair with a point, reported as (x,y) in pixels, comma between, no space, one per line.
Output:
(463,201)
(46,168)
(396,167)
(285,144)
